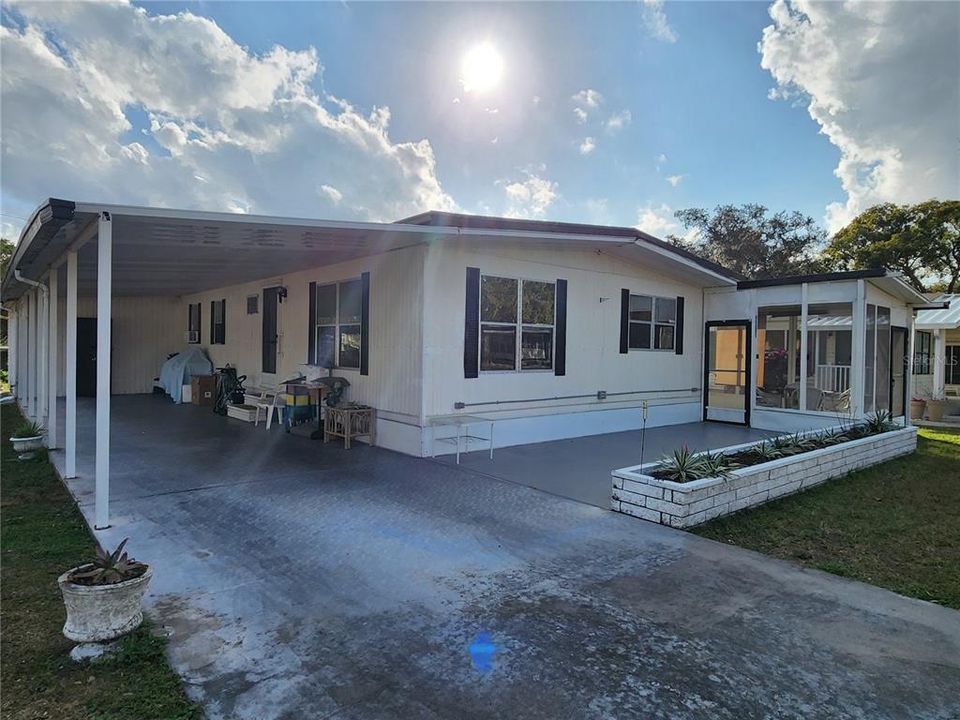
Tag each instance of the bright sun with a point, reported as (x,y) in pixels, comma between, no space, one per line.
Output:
(481,68)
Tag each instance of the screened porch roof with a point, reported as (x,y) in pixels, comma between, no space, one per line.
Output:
(160,251)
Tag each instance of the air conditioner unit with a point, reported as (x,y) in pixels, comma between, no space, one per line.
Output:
(192,336)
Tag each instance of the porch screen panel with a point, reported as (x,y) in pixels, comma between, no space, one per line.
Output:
(870,358)
(829,356)
(778,368)
(951,358)
(883,359)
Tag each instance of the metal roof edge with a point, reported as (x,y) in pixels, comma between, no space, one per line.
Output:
(53,210)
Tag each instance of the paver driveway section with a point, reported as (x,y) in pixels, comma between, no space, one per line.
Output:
(303,581)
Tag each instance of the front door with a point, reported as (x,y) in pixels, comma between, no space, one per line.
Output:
(726,373)
(271,305)
(898,371)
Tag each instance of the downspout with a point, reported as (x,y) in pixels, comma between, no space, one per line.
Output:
(28,281)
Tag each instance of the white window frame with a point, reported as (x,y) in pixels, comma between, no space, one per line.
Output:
(336,325)
(653,323)
(518,327)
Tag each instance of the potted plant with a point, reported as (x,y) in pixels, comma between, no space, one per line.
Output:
(935,407)
(104,597)
(27,438)
(917,406)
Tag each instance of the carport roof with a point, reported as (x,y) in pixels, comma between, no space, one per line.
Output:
(160,251)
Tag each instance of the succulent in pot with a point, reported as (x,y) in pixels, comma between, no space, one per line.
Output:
(104,597)
(27,438)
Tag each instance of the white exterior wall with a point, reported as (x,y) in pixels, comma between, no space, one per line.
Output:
(593,360)
(145,331)
(393,385)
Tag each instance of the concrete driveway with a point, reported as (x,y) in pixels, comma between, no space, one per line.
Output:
(302,581)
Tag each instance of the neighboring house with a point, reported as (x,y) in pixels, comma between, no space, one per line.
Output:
(937,350)
(553,330)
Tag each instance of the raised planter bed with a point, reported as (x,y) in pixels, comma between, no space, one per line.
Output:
(637,493)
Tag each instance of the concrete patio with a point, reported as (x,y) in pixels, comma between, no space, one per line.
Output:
(299,580)
(579,468)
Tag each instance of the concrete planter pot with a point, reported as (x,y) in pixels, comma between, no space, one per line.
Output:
(96,613)
(25,446)
(935,410)
(916,409)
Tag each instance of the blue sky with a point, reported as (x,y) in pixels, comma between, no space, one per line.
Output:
(697,125)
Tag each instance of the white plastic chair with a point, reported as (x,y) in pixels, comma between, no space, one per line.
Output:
(269,401)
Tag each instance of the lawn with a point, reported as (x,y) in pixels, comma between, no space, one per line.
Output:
(41,535)
(896,525)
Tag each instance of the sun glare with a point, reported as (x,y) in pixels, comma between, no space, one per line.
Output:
(481,68)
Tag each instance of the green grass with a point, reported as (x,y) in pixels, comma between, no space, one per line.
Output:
(41,535)
(896,525)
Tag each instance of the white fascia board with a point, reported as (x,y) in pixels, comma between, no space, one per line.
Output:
(894,284)
(243,218)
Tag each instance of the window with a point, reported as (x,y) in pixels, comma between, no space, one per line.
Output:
(517,324)
(653,322)
(778,369)
(923,353)
(193,323)
(218,322)
(338,324)
(253,304)
(829,356)
(952,365)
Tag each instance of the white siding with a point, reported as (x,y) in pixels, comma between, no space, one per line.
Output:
(145,331)
(593,360)
(396,289)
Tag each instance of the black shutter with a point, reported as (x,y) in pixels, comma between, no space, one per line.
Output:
(678,340)
(560,349)
(213,329)
(471,324)
(189,320)
(365,323)
(624,321)
(312,326)
(199,323)
(223,322)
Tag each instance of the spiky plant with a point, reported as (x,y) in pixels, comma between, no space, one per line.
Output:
(109,568)
(29,430)
(765,451)
(717,465)
(682,466)
(879,422)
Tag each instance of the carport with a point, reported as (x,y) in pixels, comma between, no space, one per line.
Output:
(80,250)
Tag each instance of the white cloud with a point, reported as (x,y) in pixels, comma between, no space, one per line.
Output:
(880,80)
(655,20)
(619,120)
(659,221)
(529,198)
(251,126)
(588,146)
(588,98)
(332,193)
(580,114)
(661,161)
(675,180)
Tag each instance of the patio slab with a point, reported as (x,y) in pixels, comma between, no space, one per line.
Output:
(579,468)
(300,580)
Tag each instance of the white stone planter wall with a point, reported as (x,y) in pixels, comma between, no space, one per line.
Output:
(686,504)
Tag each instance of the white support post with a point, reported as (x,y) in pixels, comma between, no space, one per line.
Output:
(803,348)
(13,347)
(858,351)
(104,301)
(41,356)
(53,339)
(32,356)
(70,367)
(939,364)
(911,349)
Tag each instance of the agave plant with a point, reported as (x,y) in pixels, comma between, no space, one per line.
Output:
(717,465)
(682,466)
(29,430)
(766,451)
(109,568)
(786,445)
(880,422)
